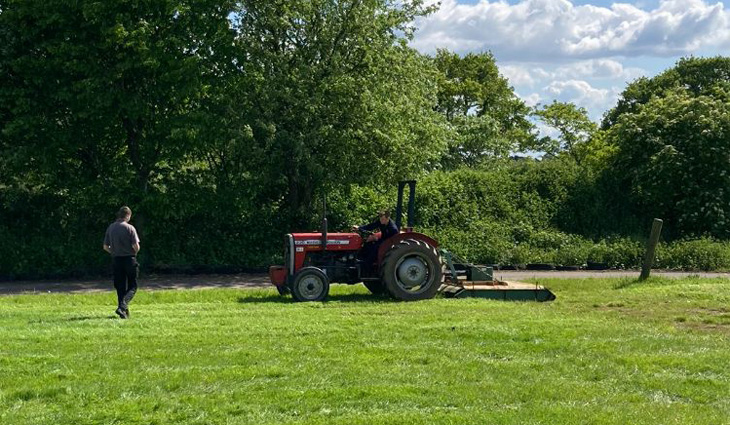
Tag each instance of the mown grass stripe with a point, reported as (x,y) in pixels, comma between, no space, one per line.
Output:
(604,352)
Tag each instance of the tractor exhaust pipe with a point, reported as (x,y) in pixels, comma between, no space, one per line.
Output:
(324,223)
(411,203)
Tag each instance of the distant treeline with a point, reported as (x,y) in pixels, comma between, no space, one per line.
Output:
(224,123)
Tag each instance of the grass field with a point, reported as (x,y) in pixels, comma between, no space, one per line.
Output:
(606,352)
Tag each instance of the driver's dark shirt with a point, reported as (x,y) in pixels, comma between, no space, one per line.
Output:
(386,230)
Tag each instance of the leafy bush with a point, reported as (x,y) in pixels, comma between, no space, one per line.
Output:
(700,254)
(617,253)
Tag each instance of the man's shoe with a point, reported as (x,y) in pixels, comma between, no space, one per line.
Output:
(121,313)
(126,312)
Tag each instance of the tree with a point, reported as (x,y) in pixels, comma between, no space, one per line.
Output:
(336,97)
(99,103)
(670,133)
(674,159)
(574,127)
(107,90)
(487,119)
(699,76)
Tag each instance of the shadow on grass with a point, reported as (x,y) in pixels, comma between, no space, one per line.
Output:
(85,318)
(72,319)
(626,283)
(354,298)
(651,280)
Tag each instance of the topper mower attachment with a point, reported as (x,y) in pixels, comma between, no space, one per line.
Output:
(464,280)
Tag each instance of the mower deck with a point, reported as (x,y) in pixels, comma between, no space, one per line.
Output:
(497,290)
(464,280)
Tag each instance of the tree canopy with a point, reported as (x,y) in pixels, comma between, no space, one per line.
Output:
(700,76)
(486,117)
(671,134)
(335,96)
(674,159)
(223,118)
(574,129)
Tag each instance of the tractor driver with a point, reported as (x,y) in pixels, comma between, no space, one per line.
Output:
(386,228)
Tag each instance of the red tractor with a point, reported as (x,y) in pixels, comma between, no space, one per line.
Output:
(408,266)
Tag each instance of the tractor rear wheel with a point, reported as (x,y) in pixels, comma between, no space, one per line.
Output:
(310,284)
(412,270)
(374,286)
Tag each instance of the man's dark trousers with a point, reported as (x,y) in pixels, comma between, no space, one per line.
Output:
(126,271)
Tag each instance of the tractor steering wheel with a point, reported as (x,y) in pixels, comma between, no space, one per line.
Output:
(366,236)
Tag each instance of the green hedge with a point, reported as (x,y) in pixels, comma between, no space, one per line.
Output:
(509,213)
(700,254)
(490,246)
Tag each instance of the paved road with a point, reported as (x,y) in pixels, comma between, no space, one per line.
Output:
(145,282)
(584,274)
(261,280)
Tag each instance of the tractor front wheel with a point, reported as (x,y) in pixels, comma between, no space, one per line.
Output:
(310,284)
(412,270)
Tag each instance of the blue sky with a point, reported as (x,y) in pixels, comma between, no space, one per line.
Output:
(578,51)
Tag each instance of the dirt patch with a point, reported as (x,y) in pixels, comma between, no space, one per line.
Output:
(722,311)
(705,327)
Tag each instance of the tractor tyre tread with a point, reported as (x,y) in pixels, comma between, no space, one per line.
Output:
(387,272)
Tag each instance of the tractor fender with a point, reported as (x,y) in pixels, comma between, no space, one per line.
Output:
(394,240)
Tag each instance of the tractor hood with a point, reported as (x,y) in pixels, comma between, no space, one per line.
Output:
(335,241)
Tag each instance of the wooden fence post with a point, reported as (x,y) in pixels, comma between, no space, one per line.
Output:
(656,230)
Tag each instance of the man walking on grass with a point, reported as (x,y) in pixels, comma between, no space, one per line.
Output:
(122,242)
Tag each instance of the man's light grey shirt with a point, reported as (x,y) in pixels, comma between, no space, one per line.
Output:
(121,236)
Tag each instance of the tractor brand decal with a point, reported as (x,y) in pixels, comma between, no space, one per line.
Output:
(309,242)
(300,249)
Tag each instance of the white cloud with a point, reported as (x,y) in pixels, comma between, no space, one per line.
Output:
(545,130)
(532,99)
(598,68)
(535,30)
(577,91)
(554,49)
(582,93)
(594,84)
(518,75)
